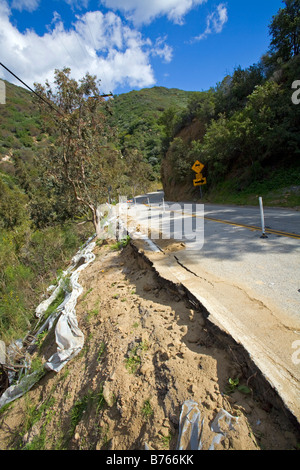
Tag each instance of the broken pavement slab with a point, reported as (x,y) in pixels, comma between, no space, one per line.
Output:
(245,318)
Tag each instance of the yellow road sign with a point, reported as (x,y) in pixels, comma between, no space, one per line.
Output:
(197,167)
(199,177)
(200,182)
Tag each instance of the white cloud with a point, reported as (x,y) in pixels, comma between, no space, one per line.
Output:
(144,11)
(78,4)
(215,22)
(162,50)
(29,5)
(98,43)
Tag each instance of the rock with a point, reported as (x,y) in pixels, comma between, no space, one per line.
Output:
(31,434)
(108,394)
(207,405)
(126,270)
(147,287)
(193,389)
(164,431)
(193,337)
(145,369)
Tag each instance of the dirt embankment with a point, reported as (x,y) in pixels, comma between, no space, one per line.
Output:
(148,348)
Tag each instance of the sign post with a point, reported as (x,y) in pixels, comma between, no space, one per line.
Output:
(200,179)
(262,217)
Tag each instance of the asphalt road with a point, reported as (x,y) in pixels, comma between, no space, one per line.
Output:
(235,250)
(278,219)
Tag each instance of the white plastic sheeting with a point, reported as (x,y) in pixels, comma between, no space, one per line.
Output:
(69,338)
(190,427)
(193,435)
(16,391)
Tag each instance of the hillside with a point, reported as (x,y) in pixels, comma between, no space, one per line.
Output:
(137,116)
(38,229)
(20,127)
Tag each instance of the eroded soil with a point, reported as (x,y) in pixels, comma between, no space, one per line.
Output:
(147,350)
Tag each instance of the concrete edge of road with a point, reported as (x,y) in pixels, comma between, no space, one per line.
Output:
(283,384)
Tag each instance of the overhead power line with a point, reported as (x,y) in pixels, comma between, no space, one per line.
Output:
(27,86)
(37,94)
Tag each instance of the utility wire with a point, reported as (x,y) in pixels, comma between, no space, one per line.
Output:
(39,96)
(27,86)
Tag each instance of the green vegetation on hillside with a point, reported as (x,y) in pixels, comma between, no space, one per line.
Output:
(137,116)
(20,125)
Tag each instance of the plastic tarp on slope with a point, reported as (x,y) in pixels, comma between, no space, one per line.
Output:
(194,435)
(69,338)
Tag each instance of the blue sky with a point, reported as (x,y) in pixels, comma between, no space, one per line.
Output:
(133,44)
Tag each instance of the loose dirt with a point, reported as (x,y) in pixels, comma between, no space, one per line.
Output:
(148,348)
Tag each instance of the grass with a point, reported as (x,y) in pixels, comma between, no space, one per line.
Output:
(281,189)
(95,311)
(81,406)
(134,359)
(56,303)
(121,244)
(101,351)
(29,259)
(86,293)
(40,338)
(147,410)
(32,416)
(92,313)
(166,441)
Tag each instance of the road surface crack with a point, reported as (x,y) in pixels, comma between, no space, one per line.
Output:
(192,272)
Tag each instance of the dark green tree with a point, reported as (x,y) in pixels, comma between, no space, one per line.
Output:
(285,32)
